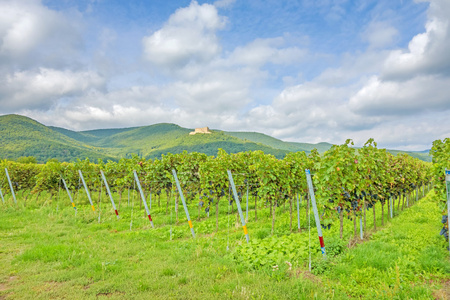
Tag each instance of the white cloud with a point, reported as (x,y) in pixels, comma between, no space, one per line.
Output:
(380,34)
(414,96)
(361,98)
(204,85)
(416,80)
(428,52)
(396,96)
(41,89)
(222,94)
(262,51)
(188,36)
(304,112)
(32,34)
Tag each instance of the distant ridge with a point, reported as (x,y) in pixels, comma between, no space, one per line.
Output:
(22,136)
(279,144)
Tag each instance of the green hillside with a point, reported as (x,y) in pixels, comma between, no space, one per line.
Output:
(279,144)
(154,140)
(321,147)
(22,136)
(78,136)
(422,155)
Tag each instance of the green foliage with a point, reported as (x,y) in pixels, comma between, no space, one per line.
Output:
(337,178)
(335,246)
(27,160)
(398,260)
(342,176)
(23,176)
(22,137)
(58,255)
(441,161)
(278,144)
(266,253)
(49,178)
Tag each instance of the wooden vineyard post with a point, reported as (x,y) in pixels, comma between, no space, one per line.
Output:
(87,190)
(180,191)
(68,193)
(109,193)
(143,197)
(316,213)
(238,204)
(447,186)
(11,186)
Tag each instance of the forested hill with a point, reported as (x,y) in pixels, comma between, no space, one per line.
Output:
(154,140)
(21,136)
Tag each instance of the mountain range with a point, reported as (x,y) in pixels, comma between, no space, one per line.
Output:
(21,136)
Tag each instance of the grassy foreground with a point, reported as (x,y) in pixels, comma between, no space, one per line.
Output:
(48,253)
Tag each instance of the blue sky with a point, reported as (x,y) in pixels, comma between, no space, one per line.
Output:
(306,71)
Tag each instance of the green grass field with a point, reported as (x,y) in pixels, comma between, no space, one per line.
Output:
(46,252)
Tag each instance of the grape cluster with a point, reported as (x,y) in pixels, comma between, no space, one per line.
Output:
(326,226)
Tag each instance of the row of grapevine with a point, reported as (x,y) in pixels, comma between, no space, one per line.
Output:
(348,181)
(441,162)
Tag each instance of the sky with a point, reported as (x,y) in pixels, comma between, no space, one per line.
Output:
(302,71)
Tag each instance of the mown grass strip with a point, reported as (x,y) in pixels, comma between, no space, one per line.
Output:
(51,254)
(405,260)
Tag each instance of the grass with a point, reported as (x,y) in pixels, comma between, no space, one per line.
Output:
(406,259)
(48,252)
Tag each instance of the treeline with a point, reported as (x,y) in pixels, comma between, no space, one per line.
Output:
(42,152)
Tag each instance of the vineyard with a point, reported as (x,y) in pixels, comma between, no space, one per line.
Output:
(187,197)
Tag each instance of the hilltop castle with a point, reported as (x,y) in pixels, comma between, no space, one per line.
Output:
(200,130)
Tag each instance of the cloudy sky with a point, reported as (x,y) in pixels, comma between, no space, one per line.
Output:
(304,70)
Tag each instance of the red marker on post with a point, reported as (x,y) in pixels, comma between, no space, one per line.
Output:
(143,197)
(109,193)
(316,213)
